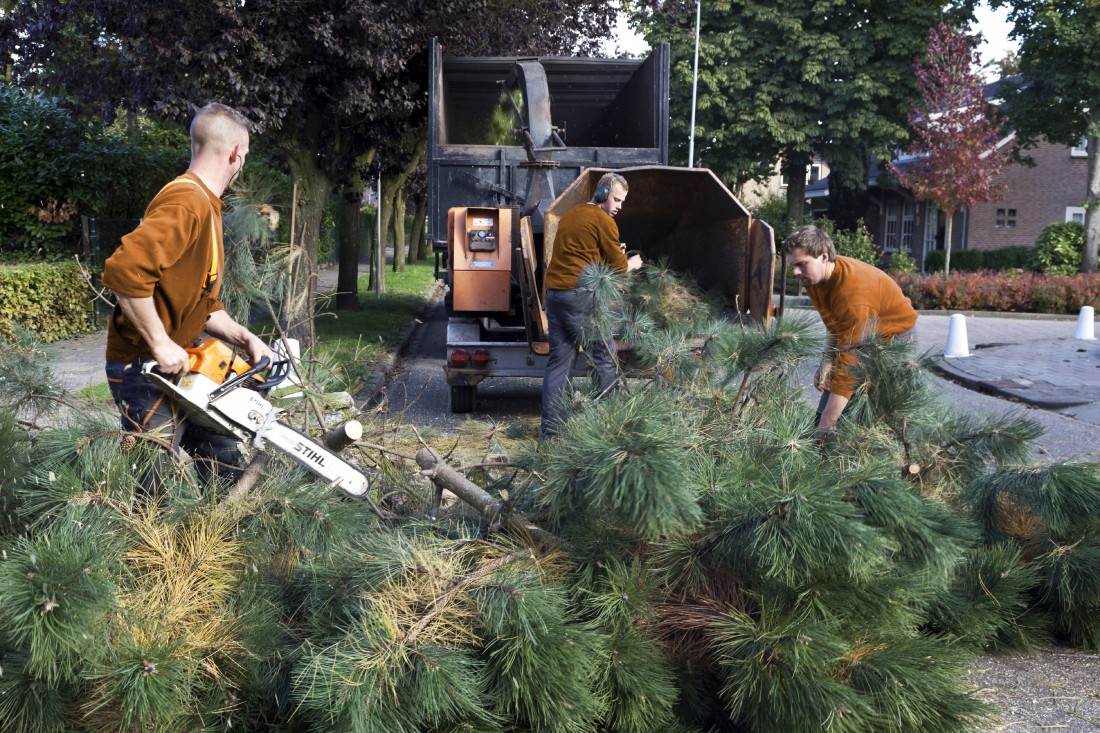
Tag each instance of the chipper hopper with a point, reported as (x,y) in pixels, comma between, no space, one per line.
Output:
(515,143)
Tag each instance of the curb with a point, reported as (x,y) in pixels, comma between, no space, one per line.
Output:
(1002,388)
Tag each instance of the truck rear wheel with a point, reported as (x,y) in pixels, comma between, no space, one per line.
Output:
(463,398)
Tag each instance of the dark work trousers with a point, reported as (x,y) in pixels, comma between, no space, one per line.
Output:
(563,308)
(904,336)
(145,408)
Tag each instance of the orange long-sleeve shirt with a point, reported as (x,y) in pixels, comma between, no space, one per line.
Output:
(168,258)
(855,301)
(585,234)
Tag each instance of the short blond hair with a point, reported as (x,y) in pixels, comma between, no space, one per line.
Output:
(611,179)
(811,240)
(219,126)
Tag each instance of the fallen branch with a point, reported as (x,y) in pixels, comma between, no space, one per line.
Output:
(446,477)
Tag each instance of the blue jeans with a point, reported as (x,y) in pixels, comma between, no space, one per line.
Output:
(143,407)
(563,309)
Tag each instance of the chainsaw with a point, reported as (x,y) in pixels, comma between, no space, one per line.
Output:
(222,392)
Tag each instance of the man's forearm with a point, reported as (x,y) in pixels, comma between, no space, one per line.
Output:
(834,406)
(142,313)
(223,326)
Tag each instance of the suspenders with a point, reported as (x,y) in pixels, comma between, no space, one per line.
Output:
(215,250)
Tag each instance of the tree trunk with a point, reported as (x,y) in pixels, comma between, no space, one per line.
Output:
(795,165)
(947,242)
(393,184)
(349,225)
(418,242)
(313,189)
(1092,199)
(400,246)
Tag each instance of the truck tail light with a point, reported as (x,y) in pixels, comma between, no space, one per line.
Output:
(481,358)
(460,359)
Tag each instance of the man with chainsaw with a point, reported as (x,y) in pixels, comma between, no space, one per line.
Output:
(855,300)
(586,234)
(166,275)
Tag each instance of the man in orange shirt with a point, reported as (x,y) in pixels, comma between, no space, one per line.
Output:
(586,234)
(855,300)
(166,275)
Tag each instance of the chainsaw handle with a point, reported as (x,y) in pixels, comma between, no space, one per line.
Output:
(239,379)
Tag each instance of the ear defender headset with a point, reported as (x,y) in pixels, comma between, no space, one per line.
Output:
(603,191)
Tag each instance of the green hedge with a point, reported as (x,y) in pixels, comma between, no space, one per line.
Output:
(973,260)
(49,299)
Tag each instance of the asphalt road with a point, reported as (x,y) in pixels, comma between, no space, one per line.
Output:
(418,387)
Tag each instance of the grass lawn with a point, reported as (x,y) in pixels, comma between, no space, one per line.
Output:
(375,327)
(355,342)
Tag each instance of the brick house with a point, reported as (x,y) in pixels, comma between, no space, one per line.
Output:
(1053,190)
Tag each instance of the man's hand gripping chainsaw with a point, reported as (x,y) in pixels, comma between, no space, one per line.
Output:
(210,395)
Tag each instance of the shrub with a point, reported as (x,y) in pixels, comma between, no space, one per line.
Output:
(975,260)
(54,168)
(856,244)
(899,262)
(773,210)
(1058,248)
(1016,291)
(49,299)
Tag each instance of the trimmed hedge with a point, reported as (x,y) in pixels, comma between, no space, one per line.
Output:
(1018,292)
(974,260)
(48,299)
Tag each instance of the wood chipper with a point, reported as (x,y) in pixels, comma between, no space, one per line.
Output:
(503,167)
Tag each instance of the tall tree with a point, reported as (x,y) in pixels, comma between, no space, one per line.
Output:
(326,81)
(1057,99)
(957,156)
(785,80)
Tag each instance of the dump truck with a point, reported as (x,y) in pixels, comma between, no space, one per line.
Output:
(513,144)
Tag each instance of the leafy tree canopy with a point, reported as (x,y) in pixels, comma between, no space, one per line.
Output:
(1060,73)
(788,79)
(956,156)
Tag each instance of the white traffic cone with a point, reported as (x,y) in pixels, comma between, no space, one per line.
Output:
(956,337)
(1085,324)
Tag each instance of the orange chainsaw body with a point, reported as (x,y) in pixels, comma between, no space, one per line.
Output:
(214,360)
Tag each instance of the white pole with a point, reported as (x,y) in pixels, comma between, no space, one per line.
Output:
(379,253)
(694,85)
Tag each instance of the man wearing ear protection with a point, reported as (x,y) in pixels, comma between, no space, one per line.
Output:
(166,275)
(854,300)
(586,234)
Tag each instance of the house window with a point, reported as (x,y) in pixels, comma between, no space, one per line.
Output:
(813,175)
(1006,218)
(1081,149)
(890,237)
(908,215)
(1075,213)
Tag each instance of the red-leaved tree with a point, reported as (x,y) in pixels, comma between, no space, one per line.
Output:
(956,153)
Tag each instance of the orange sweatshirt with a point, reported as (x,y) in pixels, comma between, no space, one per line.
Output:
(857,300)
(168,257)
(586,234)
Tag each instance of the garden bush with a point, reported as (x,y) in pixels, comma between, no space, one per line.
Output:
(975,260)
(49,299)
(1058,248)
(55,167)
(1017,291)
